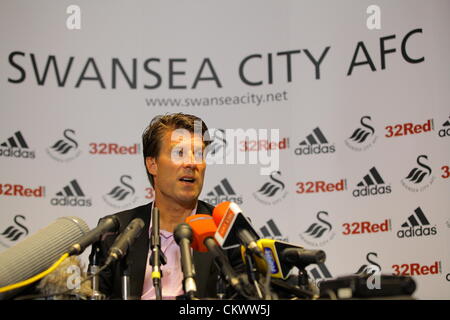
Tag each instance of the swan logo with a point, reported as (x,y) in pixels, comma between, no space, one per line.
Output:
(123,195)
(66,148)
(218,149)
(273,191)
(419,178)
(16,147)
(14,232)
(319,233)
(373,270)
(362,137)
(371,267)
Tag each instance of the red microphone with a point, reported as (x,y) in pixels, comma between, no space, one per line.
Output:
(203,229)
(234,229)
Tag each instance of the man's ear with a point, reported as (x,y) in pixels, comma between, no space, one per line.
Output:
(151,165)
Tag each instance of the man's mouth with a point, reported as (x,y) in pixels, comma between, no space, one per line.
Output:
(187,179)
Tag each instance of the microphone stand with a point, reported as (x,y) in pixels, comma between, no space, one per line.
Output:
(251,272)
(125,276)
(96,294)
(157,257)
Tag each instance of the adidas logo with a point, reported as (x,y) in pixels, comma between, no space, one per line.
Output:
(315,143)
(16,147)
(117,196)
(417,225)
(372,184)
(71,195)
(222,192)
(271,192)
(317,230)
(319,272)
(14,232)
(64,149)
(445,131)
(273,233)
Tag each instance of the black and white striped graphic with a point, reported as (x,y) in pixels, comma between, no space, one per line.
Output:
(73,189)
(317,137)
(16,141)
(416,219)
(223,188)
(371,179)
(273,232)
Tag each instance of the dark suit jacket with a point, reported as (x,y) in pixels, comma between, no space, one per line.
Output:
(137,258)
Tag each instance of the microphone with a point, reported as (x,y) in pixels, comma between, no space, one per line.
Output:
(124,241)
(204,228)
(282,256)
(106,224)
(157,257)
(39,251)
(234,229)
(183,237)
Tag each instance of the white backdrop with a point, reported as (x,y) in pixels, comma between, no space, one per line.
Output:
(246,65)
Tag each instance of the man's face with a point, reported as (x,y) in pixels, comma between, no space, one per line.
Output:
(179,170)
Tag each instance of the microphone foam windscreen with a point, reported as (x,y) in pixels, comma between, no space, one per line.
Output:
(219,211)
(202,226)
(39,251)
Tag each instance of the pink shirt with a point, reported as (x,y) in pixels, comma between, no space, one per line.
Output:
(172,275)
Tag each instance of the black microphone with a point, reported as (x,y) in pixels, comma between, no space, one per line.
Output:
(106,224)
(157,257)
(124,241)
(183,237)
(301,257)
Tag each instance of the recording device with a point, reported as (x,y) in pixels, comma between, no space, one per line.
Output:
(106,224)
(233,229)
(282,256)
(204,228)
(367,286)
(183,237)
(39,251)
(124,241)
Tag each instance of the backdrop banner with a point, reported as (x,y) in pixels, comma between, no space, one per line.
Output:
(330,119)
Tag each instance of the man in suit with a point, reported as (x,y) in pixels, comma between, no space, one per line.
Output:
(173,148)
